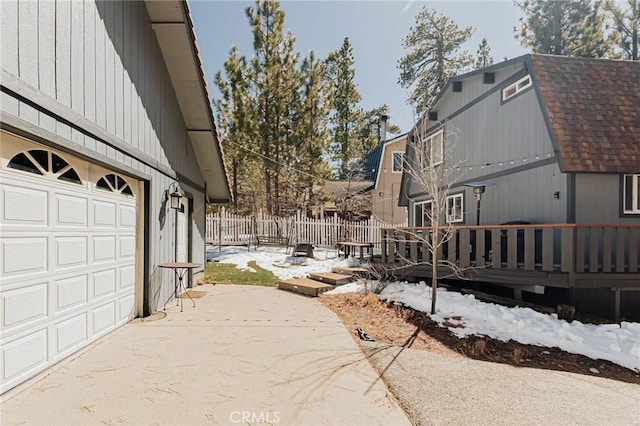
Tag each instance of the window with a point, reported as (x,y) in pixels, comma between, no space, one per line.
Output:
(433,115)
(45,163)
(631,194)
(455,208)
(457,86)
(114,183)
(433,150)
(422,213)
(515,88)
(398,158)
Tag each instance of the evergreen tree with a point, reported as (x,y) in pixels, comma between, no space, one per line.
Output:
(275,81)
(272,115)
(433,56)
(563,27)
(371,131)
(347,115)
(234,116)
(483,55)
(310,127)
(626,26)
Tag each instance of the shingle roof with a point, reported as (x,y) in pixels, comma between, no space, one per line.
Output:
(593,107)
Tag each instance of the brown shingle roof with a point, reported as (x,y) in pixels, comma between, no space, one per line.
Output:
(593,107)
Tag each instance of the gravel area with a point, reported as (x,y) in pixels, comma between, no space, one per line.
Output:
(437,389)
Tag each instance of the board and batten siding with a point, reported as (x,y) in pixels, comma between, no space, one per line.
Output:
(100,62)
(598,199)
(507,147)
(473,87)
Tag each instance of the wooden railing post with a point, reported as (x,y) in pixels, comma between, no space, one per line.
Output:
(567,250)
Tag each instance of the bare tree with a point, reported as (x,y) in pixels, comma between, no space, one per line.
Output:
(432,172)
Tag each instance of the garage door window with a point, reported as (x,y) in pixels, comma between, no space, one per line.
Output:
(45,163)
(114,183)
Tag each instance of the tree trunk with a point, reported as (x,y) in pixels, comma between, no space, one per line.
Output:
(434,267)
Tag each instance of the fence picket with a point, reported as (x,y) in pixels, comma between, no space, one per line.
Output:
(227,228)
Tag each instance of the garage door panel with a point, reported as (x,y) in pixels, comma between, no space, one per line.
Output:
(70,251)
(127,247)
(103,318)
(104,283)
(104,214)
(127,217)
(126,308)
(24,355)
(70,334)
(23,256)
(71,292)
(127,277)
(24,206)
(71,211)
(24,305)
(104,249)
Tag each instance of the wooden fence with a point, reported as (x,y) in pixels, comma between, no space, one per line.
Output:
(226,228)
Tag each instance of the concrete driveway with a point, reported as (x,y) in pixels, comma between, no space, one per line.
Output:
(243,355)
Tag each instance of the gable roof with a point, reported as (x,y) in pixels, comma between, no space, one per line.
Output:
(372,160)
(172,23)
(593,109)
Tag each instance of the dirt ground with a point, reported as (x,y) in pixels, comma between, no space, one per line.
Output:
(401,326)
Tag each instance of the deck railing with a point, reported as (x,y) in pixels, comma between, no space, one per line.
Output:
(579,248)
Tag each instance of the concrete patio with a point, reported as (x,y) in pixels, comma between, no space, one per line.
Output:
(243,355)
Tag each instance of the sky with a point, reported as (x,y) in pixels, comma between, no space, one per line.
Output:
(375,29)
(618,343)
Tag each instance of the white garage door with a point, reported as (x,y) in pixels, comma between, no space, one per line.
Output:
(68,256)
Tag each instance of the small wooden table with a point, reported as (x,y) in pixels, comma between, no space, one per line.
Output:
(348,246)
(181,269)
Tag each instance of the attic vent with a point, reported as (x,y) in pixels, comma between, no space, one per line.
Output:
(457,86)
(489,78)
(433,116)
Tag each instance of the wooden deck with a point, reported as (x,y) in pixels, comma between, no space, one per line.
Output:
(559,255)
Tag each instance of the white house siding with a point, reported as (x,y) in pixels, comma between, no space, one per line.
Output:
(89,78)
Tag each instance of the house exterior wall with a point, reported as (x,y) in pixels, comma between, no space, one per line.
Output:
(504,146)
(598,199)
(93,82)
(385,196)
(472,88)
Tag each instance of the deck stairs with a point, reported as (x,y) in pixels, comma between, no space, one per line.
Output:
(316,283)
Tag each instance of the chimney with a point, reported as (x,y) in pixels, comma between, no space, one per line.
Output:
(383,127)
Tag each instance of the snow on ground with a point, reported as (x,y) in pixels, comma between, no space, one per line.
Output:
(619,343)
(277,260)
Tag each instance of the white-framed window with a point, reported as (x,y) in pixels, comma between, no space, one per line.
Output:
(422,213)
(631,194)
(455,208)
(397,158)
(433,149)
(515,88)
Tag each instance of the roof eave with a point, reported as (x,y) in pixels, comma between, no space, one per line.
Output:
(172,23)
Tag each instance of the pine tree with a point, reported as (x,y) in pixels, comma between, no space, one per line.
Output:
(433,56)
(371,131)
(275,81)
(563,27)
(272,113)
(234,110)
(626,26)
(310,126)
(483,55)
(347,115)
